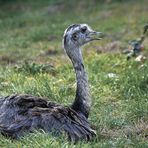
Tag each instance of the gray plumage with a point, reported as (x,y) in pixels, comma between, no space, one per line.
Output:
(21,114)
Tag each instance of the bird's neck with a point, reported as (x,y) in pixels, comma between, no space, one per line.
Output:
(82,102)
(142,38)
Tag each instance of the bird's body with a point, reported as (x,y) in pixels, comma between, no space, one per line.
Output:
(21,114)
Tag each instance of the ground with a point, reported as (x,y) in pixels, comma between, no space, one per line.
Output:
(33,61)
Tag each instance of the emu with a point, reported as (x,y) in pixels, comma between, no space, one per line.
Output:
(23,113)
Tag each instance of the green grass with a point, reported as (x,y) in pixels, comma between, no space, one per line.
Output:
(32,61)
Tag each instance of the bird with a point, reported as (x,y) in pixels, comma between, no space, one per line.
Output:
(137,45)
(21,114)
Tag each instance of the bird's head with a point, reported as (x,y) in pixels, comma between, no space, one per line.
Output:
(77,35)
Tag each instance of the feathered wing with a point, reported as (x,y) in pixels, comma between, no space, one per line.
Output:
(20,114)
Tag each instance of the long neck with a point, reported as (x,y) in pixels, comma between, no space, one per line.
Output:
(82,100)
(142,38)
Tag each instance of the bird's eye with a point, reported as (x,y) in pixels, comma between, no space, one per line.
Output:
(83,30)
(74,36)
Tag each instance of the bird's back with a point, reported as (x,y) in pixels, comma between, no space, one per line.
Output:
(21,114)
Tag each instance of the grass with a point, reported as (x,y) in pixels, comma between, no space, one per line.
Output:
(32,31)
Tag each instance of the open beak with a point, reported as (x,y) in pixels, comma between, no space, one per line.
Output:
(95,35)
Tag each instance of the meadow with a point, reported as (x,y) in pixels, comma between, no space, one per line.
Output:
(32,61)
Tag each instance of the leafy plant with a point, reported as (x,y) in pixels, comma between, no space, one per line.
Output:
(34,68)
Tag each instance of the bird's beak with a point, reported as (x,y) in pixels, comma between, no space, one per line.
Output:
(95,35)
